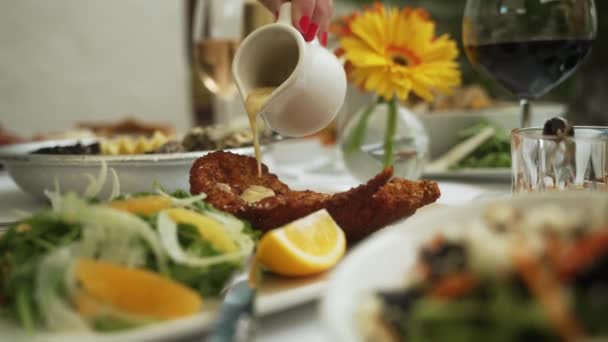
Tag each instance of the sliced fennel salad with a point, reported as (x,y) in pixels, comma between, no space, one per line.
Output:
(116,264)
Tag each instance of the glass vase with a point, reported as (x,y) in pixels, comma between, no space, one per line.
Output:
(380,134)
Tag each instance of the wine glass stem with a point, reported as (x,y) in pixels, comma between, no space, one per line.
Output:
(526,113)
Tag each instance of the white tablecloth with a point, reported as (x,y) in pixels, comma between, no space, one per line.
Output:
(300,323)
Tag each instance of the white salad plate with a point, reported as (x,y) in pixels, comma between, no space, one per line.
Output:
(384,260)
(35,173)
(168,331)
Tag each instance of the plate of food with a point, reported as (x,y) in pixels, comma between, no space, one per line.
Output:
(451,119)
(447,115)
(138,161)
(525,268)
(115,270)
(481,151)
(151,266)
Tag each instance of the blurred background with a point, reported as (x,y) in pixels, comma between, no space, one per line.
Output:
(70,61)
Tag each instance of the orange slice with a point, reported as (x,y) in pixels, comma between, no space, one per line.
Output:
(145,205)
(133,291)
(208,228)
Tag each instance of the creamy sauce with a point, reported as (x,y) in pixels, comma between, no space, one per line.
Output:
(254,103)
(256,193)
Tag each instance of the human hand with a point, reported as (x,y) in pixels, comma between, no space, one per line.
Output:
(311,17)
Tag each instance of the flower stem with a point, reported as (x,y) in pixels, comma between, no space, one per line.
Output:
(23,303)
(356,139)
(389,134)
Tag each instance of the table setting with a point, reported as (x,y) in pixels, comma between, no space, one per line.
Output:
(286,309)
(370,193)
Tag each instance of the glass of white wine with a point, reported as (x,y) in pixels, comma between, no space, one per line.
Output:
(215,29)
(216,32)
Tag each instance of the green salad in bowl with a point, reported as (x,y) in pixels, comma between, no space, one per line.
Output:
(92,266)
(495,152)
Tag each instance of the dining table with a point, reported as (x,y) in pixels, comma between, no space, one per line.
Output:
(301,322)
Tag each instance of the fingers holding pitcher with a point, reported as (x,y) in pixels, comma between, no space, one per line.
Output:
(311,17)
(322,15)
(302,15)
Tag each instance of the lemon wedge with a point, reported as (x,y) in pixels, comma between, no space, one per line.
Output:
(303,247)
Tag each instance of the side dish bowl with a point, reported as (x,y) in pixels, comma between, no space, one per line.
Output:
(35,173)
(442,127)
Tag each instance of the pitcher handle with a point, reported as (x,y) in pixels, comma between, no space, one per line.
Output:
(285,14)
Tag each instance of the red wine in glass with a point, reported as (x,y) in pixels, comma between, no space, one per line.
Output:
(531,46)
(530,69)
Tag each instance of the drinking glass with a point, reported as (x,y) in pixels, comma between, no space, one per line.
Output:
(215,29)
(546,162)
(528,46)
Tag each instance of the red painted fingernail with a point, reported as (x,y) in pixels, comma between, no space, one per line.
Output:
(276,14)
(304,24)
(324,38)
(312,32)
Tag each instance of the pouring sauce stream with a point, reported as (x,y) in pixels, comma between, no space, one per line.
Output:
(256,100)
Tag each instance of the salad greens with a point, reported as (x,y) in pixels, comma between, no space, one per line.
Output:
(494,153)
(21,250)
(493,312)
(513,275)
(37,256)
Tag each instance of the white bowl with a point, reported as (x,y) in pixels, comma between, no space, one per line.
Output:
(385,259)
(443,127)
(35,173)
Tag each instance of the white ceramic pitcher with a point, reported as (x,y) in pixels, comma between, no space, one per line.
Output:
(310,80)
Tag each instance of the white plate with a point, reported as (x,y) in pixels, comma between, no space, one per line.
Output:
(280,293)
(169,331)
(35,173)
(490,174)
(384,260)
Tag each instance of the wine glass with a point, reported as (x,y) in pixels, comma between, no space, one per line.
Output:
(214,46)
(528,46)
(214,31)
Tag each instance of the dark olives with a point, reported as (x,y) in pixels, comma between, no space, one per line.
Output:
(78,148)
(558,126)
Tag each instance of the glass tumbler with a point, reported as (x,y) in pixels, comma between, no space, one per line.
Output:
(546,162)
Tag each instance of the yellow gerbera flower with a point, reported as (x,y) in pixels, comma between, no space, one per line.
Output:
(393,52)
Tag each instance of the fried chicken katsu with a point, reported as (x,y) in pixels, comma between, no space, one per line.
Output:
(362,210)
